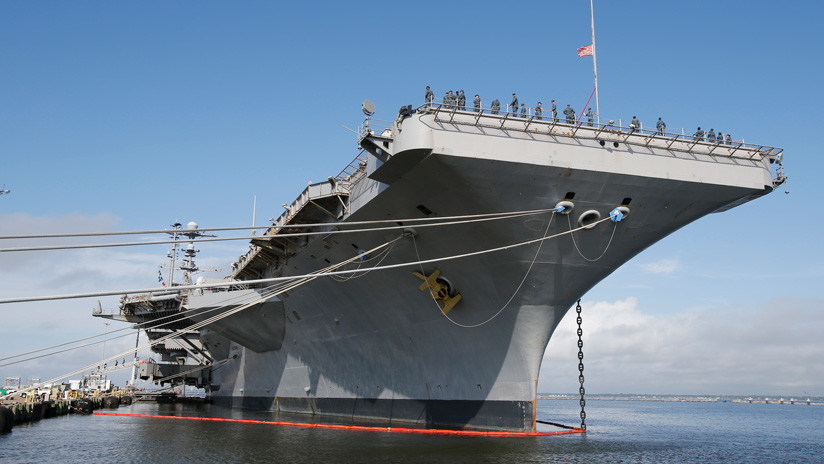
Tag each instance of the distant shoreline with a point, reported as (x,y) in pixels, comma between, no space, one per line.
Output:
(762,399)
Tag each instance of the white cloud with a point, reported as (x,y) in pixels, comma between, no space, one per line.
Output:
(771,349)
(663,266)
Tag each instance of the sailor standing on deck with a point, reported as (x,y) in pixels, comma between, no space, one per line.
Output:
(554,112)
(635,124)
(699,134)
(570,115)
(590,117)
(477,103)
(462,101)
(523,111)
(711,135)
(513,107)
(430,95)
(538,111)
(660,125)
(496,106)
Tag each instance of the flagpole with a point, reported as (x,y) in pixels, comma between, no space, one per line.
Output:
(595,62)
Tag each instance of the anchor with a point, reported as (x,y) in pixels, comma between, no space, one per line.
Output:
(439,289)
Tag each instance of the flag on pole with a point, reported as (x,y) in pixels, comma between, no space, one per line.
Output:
(585,51)
(160,278)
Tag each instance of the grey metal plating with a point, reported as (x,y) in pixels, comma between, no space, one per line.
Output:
(378,339)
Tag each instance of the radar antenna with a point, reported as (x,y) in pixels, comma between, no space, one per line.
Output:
(188,265)
(368,109)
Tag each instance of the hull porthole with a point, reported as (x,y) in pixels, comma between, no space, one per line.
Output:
(624,210)
(587,219)
(564,207)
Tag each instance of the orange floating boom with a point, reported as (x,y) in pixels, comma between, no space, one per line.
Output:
(359,428)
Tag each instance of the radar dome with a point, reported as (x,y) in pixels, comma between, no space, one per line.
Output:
(368,108)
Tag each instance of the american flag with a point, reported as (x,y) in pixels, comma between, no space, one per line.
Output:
(585,51)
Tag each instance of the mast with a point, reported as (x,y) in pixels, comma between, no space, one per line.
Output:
(595,61)
(173,254)
(105,338)
(134,362)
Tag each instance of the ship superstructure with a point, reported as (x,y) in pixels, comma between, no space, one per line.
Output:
(449,325)
(162,317)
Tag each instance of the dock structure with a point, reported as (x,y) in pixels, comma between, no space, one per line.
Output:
(19,411)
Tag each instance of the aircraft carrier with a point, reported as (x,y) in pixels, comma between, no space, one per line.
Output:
(482,230)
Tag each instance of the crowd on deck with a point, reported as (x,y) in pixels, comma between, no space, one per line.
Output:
(457,101)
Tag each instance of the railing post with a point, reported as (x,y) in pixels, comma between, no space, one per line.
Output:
(689,142)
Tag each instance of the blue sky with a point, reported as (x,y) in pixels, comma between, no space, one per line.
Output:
(117,116)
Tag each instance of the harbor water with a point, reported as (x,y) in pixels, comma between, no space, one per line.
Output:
(618,431)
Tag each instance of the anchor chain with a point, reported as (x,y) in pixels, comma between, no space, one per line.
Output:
(581,367)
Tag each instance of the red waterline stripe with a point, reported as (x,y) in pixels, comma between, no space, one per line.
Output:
(471,433)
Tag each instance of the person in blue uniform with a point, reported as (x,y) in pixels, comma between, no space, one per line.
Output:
(461,101)
(538,111)
(513,107)
(429,96)
(554,112)
(635,124)
(477,103)
(496,106)
(699,134)
(590,117)
(570,115)
(523,111)
(661,126)
(711,135)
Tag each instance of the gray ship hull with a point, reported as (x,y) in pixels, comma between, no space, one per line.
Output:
(375,347)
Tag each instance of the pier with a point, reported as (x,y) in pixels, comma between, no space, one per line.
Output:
(17,411)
